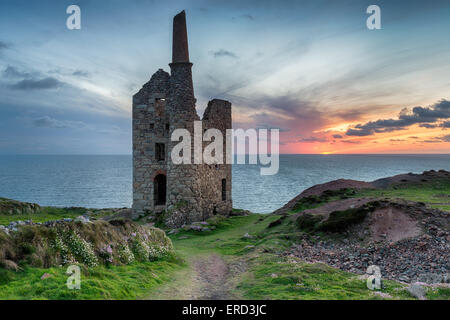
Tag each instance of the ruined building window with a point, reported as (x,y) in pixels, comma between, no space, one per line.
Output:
(160,151)
(167,127)
(159,190)
(224,189)
(160,104)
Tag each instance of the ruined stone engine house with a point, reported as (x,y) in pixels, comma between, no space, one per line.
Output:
(166,103)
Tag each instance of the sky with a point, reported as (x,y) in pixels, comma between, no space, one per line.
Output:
(311,69)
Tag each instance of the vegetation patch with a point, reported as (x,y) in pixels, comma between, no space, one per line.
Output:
(340,220)
(308,221)
(14,207)
(315,201)
(92,244)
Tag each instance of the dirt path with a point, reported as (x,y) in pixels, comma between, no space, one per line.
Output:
(208,278)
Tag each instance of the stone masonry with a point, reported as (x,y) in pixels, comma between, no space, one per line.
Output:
(166,103)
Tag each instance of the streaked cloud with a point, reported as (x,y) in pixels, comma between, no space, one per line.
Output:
(224,53)
(48,122)
(40,84)
(424,116)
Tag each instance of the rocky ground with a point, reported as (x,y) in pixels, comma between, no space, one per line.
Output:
(424,259)
(409,241)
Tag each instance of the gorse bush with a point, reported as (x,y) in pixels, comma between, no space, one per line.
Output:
(90,244)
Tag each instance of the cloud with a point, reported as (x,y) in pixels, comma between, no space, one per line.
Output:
(12,72)
(351,141)
(445,124)
(248,16)
(414,137)
(32,84)
(337,136)
(313,139)
(224,53)
(431,141)
(445,138)
(397,140)
(4,45)
(48,122)
(428,126)
(418,115)
(81,74)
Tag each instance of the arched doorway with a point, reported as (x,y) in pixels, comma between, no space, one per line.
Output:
(159,190)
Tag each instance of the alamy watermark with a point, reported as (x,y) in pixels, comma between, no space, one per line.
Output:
(256,150)
(74,280)
(73,22)
(374,281)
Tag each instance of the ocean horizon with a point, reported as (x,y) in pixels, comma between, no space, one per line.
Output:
(105,181)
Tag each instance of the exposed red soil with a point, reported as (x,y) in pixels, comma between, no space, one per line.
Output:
(393,225)
(318,189)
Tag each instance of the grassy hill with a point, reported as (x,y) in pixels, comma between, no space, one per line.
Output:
(248,257)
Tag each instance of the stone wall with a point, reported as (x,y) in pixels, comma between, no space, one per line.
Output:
(150,121)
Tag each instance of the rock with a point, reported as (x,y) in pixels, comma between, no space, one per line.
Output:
(82,219)
(417,290)
(274,275)
(11,265)
(4,229)
(247,236)
(46,276)
(183,237)
(173,231)
(382,294)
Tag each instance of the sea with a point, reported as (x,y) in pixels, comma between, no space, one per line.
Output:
(105,181)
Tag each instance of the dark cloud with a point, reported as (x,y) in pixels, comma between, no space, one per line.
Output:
(41,84)
(351,141)
(445,138)
(414,137)
(445,124)
(48,122)
(12,72)
(4,45)
(313,139)
(248,16)
(428,126)
(397,140)
(224,53)
(418,115)
(337,136)
(431,141)
(81,73)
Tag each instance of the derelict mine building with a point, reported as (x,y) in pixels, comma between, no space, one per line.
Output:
(166,103)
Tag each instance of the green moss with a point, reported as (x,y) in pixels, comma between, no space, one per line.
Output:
(315,201)
(308,221)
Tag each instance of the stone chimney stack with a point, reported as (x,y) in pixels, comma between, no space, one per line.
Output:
(180,50)
(182,99)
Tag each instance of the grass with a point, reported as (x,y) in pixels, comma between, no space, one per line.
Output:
(268,274)
(274,278)
(114,282)
(50,213)
(435,193)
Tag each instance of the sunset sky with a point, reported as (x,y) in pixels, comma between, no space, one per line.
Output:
(310,68)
